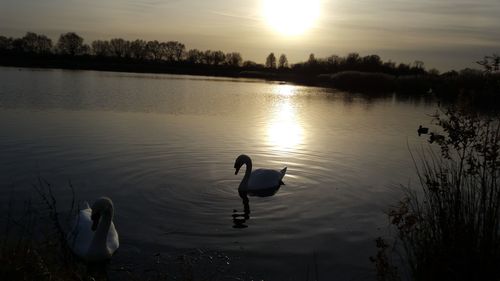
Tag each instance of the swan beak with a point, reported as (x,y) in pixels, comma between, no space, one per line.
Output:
(236,171)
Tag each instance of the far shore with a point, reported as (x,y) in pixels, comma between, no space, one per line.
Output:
(475,87)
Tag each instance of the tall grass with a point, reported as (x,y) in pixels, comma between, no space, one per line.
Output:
(448,229)
(33,243)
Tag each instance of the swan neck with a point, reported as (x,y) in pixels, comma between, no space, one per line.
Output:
(248,170)
(101,234)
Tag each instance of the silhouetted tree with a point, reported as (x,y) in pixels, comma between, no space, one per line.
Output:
(234,59)
(86,50)
(17,45)
(6,44)
(70,44)
(173,50)
(390,66)
(119,47)
(101,48)
(194,56)
(271,61)
(218,57)
(36,44)
(490,63)
(207,57)
(371,63)
(312,59)
(138,49)
(153,50)
(403,69)
(351,61)
(283,61)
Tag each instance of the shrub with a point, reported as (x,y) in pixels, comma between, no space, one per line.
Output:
(448,229)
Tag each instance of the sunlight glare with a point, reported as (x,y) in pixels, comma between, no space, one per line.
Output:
(284,132)
(291,17)
(285,90)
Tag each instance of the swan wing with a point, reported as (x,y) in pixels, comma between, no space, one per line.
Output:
(112,240)
(81,235)
(264,179)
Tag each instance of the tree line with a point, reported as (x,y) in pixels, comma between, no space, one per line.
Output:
(353,72)
(72,45)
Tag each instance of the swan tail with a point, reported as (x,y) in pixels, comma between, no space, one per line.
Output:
(283,172)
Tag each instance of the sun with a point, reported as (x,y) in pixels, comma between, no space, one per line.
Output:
(291,17)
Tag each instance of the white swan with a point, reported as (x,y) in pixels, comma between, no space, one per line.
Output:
(260,179)
(93,236)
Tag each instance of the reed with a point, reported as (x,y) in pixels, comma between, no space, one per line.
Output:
(448,228)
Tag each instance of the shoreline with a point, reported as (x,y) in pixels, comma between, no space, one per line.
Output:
(471,88)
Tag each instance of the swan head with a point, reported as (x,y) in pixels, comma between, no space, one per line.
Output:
(242,159)
(101,206)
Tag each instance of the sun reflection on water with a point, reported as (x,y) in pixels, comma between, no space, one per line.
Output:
(284,131)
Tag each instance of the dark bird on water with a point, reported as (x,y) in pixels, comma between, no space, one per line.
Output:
(422,130)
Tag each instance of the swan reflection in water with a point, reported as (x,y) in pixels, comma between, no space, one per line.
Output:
(240,218)
(260,183)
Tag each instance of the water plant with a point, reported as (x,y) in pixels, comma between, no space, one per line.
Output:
(448,228)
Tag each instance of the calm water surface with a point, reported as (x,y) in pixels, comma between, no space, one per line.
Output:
(163,148)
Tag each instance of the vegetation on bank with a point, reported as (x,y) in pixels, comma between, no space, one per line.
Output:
(33,247)
(449,227)
(352,73)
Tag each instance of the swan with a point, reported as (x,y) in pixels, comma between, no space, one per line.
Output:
(93,236)
(258,180)
(422,130)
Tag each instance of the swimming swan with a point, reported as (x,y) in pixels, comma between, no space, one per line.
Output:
(258,180)
(93,236)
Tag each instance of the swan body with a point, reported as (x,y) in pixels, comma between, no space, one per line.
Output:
(260,179)
(93,236)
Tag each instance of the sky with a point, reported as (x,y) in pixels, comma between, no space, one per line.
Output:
(445,34)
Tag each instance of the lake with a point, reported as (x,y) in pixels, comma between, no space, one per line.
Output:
(163,148)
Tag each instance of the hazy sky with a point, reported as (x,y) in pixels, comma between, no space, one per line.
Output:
(444,34)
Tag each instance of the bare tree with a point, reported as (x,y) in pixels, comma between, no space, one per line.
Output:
(218,57)
(283,61)
(138,49)
(234,59)
(101,48)
(153,50)
(119,47)
(312,59)
(194,56)
(173,50)
(490,63)
(271,61)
